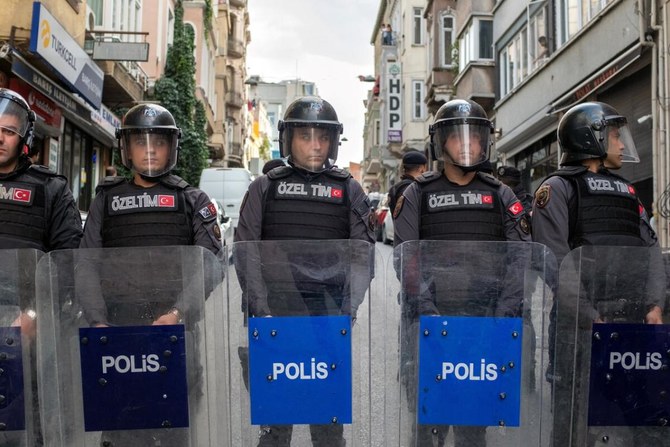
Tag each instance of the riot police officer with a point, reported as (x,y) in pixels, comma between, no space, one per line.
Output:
(585,204)
(461,138)
(37,208)
(308,199)
(155,208)
(414,163)
(570,209)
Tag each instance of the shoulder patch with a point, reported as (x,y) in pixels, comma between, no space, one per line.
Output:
(208,212)
(398,206)
(515,208)
(542,196)
(524,225)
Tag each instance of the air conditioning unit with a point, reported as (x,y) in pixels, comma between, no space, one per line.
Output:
(90,19)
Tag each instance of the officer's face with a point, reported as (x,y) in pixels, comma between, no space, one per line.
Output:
(149,152)
(9,142)
(464,148)
(615,148)
(309,147)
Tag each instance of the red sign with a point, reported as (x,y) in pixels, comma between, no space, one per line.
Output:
(40,104)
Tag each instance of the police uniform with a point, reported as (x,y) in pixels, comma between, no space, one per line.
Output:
(574,191)
(170,213)
(126,215)
(575,207)
(290,203)
(397,190)
(37,210)
(435,208)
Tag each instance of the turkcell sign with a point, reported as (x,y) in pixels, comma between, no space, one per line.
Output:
(12,407)
(394,103)
(469,371)
(52,42)
(133,377)
(300,370)
(629,375)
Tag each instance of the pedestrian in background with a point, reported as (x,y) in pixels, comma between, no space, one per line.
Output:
(414,163)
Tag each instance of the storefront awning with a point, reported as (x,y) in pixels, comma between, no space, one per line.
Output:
(598,80)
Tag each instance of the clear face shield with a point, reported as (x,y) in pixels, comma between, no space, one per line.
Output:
(618,143)
(312,147)
(464,144)
(149,152)
(14,119)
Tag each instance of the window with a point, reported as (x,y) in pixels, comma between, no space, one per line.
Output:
(378,132)
(417,31)
(538,48)
(96,7)
(527,50)
(573,15)
(476,43)
(417,100)
(447,41)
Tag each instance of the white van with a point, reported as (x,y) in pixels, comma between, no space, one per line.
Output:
(228,186)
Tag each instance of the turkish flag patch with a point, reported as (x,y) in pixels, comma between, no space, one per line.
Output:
(165,200)
(336,193)
(21,195)
(516,208)
(487,199)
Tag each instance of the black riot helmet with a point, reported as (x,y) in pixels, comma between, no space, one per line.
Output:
(149,140)
(314,115)
(587,130)
(461,134)
(16,116)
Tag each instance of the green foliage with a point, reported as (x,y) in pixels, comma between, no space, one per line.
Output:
(264,150)
(175,91)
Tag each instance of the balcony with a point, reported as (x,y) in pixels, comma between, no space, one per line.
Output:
(234,99)
(477,82)
(235,48)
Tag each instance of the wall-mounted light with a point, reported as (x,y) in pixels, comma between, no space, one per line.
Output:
(644,119)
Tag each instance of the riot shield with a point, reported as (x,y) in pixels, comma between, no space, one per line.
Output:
(300,319)
(611,365)
(466,368)
(123,340)
(19,418)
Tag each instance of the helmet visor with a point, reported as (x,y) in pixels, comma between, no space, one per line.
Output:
(313,147)
(618,142)
(150,152)
(14,118)
(463,144)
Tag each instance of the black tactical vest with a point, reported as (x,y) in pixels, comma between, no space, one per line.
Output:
(607,209)
(306,207)
(136,216)
(23,214)
(465,213)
